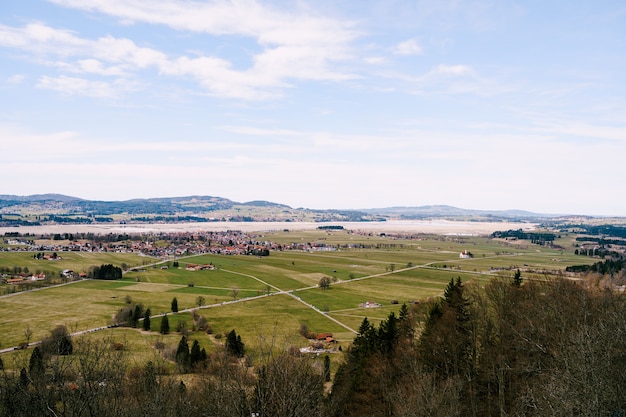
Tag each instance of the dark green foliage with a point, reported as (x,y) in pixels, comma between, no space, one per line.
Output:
(541,349)
(129,315)
(326,368)
(517,279)
(137,314)
(58,343)
(324,283)
(195,354)
(183,359)
(608,266)
(36,365)
(234,345)
(165,325)
(146,320)
(445,342)
(534,237)
(108,272)
(24,380)
(174,305)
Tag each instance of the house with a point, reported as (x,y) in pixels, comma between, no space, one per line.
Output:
(38,277)
(324,337)
(465,255)
(370,304)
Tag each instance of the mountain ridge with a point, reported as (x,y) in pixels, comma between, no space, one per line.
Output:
(63,208)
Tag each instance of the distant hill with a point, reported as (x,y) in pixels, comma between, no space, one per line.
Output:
(437,211)
(57,208)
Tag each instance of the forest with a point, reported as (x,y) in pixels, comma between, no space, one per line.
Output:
(513,347)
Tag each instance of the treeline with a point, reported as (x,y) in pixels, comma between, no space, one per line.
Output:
(608,230)
(100,380)
(601,240)
(606,267)
(538,238)
(539,348)
(107,271)
(510,348)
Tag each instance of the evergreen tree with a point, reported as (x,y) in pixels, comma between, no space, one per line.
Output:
(146,320)
(182,354)
(234,345)
(517,279)
(36,367)
(365,340)
(445,341)
(388,334)
(195,355)
(137,314)
(174,305)
(165,325)
(326,368)
(65,346)
(24,379)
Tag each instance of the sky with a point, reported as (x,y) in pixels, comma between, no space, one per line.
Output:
(478,104)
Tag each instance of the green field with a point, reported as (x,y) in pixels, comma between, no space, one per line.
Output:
(265,297)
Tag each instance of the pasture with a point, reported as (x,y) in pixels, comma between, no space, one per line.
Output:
(267,297)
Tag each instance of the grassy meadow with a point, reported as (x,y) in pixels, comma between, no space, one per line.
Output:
(266,298)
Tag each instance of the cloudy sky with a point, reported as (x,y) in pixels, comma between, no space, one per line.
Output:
(490,104)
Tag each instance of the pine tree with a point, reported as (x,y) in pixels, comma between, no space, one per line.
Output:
(182,354)
(196,354)
(517,279)
(165,325)
(326,368)
(36,367)
(234,345)
(174,305)
(136,315)
(146,320)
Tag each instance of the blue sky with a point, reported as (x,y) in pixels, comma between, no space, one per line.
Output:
(318,104)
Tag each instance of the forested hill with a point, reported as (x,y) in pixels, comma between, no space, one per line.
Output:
(57,208)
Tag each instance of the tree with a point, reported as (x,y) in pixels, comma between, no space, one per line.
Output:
(146,320)
(107,271)
(200,301)
(517,279)
(28,333)
(326,368)
(58,343)
(289,386)
(195,356)
(137,313)
(182,354)
(174,305)
(234,345)
(36,366)
(324,283)
(165,325)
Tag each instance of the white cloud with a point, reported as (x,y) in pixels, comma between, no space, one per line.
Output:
(376,60)
(408,47)
(16,79)
(453,70)
(296,53)
(83,87)
(294,45)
